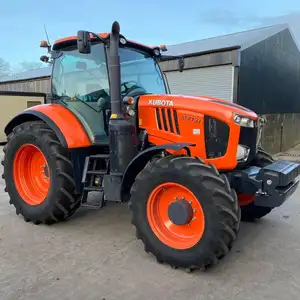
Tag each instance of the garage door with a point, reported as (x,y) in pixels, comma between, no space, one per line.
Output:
(213,81)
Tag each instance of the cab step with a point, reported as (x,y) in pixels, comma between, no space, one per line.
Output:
(95,167)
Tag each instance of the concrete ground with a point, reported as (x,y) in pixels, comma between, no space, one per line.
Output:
(95,255)
(292,154)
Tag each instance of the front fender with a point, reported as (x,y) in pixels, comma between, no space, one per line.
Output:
(140,161)
(61,120)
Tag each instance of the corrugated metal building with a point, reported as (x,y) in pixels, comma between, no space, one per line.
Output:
(37,80)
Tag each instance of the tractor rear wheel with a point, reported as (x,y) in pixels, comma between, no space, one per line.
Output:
(185,212)
(249,210)
(38,174)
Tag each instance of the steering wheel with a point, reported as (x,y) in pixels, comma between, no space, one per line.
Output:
(134,86)
(100,98)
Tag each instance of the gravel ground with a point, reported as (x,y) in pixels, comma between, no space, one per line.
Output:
(95,255)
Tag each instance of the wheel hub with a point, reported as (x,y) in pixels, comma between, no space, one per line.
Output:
(180,212)
(175,215)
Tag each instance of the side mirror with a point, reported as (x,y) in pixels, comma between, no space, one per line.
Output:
(44,58)
(83,42)
(180,64)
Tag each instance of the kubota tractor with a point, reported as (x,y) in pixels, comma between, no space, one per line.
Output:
(189,167)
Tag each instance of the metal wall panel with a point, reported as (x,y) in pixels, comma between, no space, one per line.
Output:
(269,76)
(37,85)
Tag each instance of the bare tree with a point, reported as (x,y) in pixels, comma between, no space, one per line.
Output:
(5,68)
(30,65)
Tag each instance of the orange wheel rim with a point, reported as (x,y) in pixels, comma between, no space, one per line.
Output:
(176,236)
(31,174)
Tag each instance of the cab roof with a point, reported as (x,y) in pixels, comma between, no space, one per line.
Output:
(71,40)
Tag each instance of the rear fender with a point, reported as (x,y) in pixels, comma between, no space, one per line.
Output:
(140,161)
(61,120)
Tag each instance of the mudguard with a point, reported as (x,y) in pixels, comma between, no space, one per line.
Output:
(61,120)
(139,162)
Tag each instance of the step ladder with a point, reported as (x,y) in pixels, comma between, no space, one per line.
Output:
(95,167)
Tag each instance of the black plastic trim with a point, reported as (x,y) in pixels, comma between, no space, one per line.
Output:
(158,118)
(170,120)
(139,162)
(163,112)
(176,122)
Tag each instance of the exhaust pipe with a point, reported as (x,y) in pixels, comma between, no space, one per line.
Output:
(122,134)
(115,74)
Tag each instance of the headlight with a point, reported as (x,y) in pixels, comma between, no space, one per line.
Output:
(242,153)
(243,121)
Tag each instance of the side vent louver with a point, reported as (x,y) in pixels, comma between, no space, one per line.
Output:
(167,120)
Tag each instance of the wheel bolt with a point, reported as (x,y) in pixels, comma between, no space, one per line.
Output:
(194,210)
(194,218)
(190,202)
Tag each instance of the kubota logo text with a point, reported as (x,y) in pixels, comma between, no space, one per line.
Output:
(161,102)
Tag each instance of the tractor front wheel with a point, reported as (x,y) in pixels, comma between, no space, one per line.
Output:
(38,174)
(185,212)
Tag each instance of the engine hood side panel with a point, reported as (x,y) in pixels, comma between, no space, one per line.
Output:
(178,119)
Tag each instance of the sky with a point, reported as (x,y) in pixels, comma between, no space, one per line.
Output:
(152,22)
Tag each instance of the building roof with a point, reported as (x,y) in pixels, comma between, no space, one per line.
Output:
(32,74)
(242,39)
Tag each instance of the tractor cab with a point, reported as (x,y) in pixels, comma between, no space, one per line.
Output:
(81,81)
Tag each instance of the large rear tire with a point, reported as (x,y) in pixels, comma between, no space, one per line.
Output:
(38,174)
(251,212)
(207,234)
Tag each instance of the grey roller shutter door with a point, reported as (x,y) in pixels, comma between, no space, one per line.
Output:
(213,81)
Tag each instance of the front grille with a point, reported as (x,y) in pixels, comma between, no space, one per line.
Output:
(167,120)
(216,137)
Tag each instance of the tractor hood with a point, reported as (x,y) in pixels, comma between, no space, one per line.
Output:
(222,109)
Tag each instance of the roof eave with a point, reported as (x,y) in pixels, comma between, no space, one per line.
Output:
(225,49)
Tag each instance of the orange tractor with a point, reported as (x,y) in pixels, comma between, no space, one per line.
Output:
(190,168)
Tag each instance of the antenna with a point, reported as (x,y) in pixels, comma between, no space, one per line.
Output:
(46,44)
(46,34)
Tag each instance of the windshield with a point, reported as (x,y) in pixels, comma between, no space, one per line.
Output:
(84,77)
